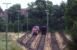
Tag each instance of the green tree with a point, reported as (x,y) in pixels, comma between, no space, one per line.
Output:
(2,24)
(15,17)
(71,22)
(2,21)
(37,11)
(1,11)
(57,18)
(14,12)
(71,14)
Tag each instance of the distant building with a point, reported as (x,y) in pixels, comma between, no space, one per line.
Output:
(22,12)
(1,12)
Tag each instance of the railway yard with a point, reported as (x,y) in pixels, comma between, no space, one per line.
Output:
(50,41)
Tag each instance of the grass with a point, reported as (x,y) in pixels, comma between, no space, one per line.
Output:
(12,43)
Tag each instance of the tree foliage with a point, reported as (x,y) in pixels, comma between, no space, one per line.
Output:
(71,22)
(37,11)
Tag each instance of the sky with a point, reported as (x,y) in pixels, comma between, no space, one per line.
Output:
(24,3)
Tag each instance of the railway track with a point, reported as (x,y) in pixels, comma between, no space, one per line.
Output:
(41,44)
(54,42)
(61,41)
(47,45)
(36,42)
(30,41)
(50,41)
(23,40)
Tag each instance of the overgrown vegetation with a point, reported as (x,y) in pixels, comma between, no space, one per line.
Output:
(71,22)
(12,45)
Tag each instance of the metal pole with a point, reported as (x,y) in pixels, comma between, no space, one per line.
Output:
(47,12)
(27,21)
(47,22)
(7,26)
(18,24)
